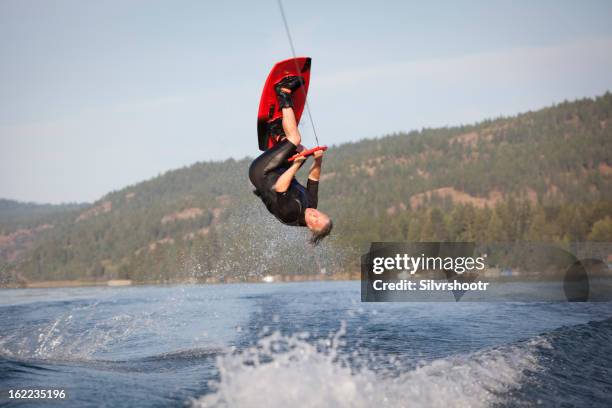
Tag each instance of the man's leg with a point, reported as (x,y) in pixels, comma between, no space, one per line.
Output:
(277,156)
(290,127)
(272,159)
(284,90)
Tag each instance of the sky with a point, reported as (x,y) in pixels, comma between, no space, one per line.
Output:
(98,95)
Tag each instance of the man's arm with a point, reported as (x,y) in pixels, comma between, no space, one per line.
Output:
(284,181)
(312,187)
(315,170)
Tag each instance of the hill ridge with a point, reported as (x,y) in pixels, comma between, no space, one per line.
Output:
(542,174)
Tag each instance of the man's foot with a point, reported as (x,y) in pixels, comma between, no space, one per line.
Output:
(289,84)
(285,87)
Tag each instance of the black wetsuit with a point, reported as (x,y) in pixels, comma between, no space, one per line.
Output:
(288,207)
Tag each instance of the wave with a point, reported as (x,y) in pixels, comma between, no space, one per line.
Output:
(285,371)
(180,355)
(17,368)
(71,338)
(576,370)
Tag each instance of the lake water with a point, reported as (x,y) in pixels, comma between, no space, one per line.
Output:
(308,344)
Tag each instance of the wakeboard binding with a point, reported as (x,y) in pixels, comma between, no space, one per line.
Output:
(292,83)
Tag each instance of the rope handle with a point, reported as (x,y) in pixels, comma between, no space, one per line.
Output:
(308,152)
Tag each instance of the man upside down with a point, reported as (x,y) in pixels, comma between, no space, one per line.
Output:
(274,176)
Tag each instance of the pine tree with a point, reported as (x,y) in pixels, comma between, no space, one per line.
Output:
(435,227)
(602,230)
(495,231)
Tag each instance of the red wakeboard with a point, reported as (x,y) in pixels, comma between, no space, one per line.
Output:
(269,116)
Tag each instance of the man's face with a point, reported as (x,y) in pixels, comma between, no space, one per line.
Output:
(315,219)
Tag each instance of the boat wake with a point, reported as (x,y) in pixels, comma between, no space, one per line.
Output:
(283,371)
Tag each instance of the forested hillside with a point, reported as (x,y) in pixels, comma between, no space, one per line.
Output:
(22,223)
(544,175)
(15,214)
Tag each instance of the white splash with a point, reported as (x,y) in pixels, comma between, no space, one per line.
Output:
(283,371)
(72,338)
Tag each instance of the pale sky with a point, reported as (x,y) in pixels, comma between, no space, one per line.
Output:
(97,95)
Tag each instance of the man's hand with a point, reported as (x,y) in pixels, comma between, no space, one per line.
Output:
(315,169)
(299,159)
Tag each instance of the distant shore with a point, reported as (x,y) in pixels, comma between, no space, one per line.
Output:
(127,282)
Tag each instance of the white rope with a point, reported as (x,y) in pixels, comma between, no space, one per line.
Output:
(297,68)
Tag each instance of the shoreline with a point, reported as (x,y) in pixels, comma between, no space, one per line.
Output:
(77,283)
(344,276)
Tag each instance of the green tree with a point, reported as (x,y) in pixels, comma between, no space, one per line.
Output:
(602,230)
(495,231)
(435,227)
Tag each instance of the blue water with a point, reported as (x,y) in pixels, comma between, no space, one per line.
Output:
(301,344)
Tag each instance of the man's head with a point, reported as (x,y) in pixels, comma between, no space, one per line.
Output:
(319,223)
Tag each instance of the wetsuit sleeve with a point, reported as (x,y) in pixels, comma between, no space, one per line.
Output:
(312,187)
(288,207)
